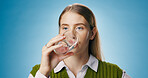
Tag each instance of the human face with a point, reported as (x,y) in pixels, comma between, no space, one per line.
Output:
(77,26)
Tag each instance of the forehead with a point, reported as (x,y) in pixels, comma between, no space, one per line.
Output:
(72,18)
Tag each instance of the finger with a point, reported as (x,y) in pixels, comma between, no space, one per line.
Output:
(67,55)
(55,40)
(52,42)
(59,35)
(49,50)
(43,47)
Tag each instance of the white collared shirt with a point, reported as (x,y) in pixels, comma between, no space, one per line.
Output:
(92,63)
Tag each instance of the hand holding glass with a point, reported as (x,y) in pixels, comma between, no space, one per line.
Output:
(69,43)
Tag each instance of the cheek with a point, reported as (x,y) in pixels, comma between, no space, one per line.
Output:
(84,37)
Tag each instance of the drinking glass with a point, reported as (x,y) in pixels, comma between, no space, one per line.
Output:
(69,43)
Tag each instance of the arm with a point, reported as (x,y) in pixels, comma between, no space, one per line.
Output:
(49,58)
(38,75)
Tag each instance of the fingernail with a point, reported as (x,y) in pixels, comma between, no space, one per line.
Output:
(62,37)
(62,34)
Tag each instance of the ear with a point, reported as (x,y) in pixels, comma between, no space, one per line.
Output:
(93,33)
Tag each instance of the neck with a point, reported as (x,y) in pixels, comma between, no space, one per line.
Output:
(75,62)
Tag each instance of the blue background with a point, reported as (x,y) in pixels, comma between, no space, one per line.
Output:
(27,25)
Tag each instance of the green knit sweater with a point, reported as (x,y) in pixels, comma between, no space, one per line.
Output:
(105,70)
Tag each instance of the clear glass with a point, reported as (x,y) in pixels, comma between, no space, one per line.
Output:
(69,43)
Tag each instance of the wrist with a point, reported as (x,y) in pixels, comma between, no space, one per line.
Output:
(45,72)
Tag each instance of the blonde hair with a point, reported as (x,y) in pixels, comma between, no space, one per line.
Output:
(94,45)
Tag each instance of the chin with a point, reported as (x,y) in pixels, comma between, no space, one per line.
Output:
(75,50)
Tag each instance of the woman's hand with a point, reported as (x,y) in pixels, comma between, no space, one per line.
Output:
(49,58)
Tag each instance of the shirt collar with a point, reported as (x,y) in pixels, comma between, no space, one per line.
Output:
(92,63)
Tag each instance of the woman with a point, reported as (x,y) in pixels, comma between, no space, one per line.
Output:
(85,60)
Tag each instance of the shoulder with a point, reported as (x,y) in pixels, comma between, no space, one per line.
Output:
(109,64)
(35,69)
(104,63)
(109,68)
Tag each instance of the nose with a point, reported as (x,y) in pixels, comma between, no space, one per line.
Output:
(72,34)
(74,37)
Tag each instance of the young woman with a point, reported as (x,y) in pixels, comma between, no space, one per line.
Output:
(85,60)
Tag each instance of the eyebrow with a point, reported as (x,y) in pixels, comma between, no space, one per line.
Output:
(80,24)
(74,24)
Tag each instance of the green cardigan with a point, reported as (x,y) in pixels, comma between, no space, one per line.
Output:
(105,70)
